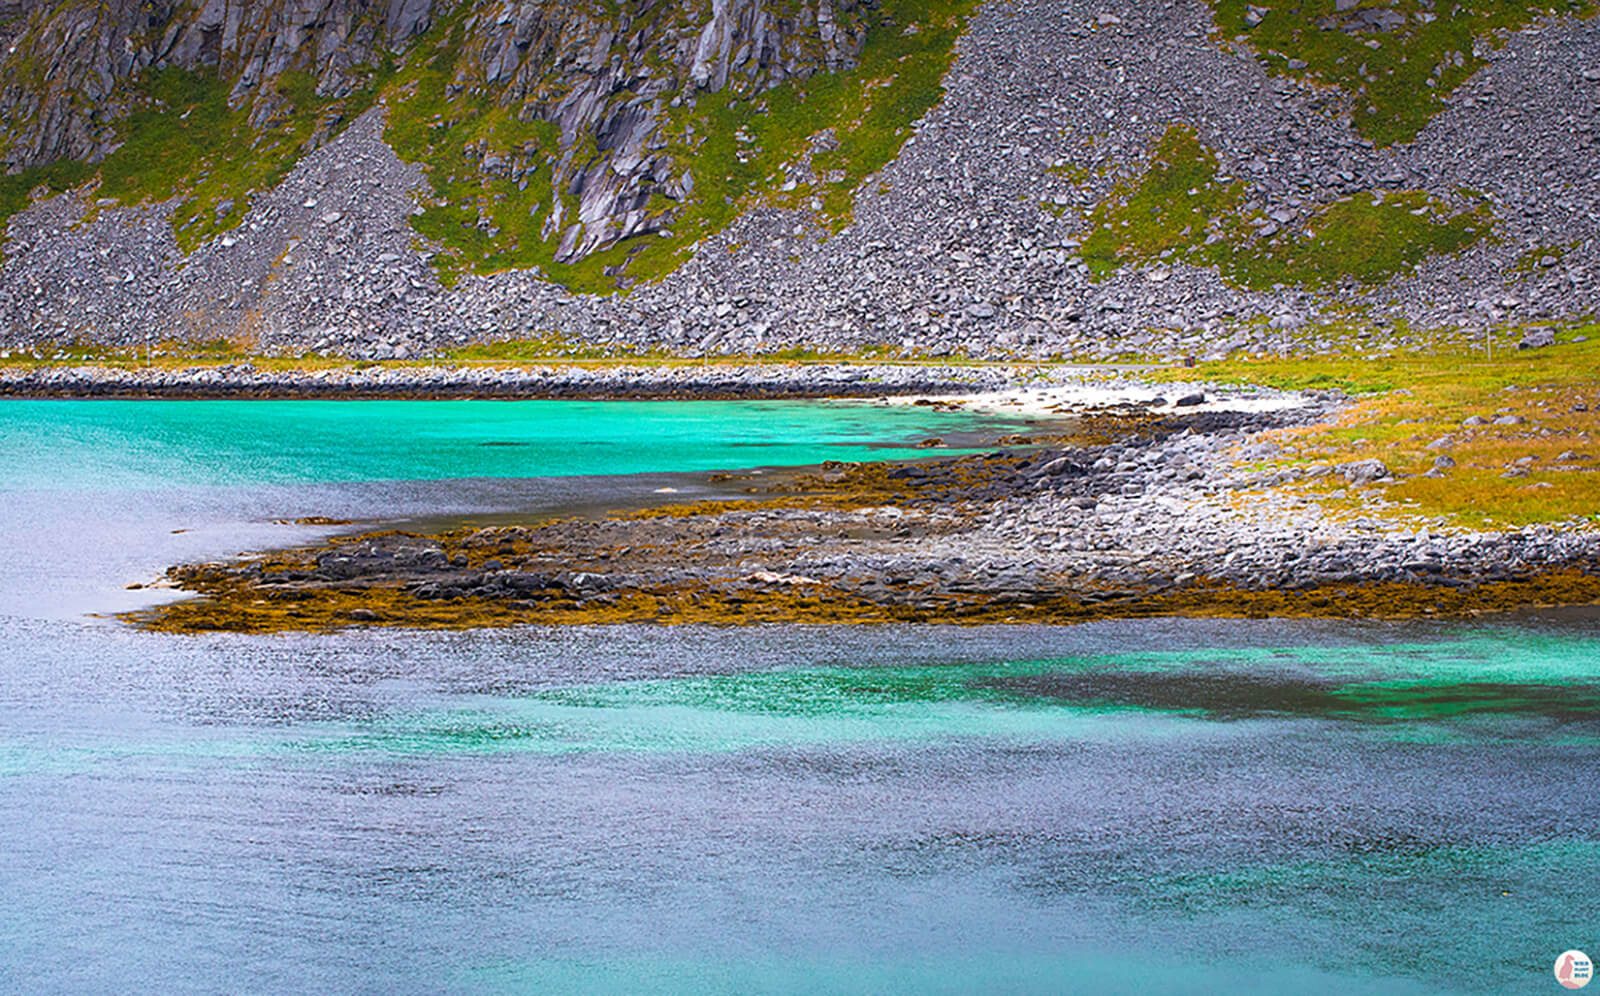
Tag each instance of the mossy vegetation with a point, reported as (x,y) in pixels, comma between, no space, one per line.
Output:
(1542,464)
(1169,211)
(1367,237)
(236,608)
(1541,256)
(18,190)
(537,349)
(740,148)
(483,216)
(1181,209)
(1396,60)
(800,354)
(184,140)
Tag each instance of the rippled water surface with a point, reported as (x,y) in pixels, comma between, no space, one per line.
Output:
(1168,805)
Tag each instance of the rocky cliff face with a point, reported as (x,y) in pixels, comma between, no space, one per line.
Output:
(68,68)
(602,73)
(607,75)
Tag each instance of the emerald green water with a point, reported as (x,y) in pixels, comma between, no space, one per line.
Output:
(1189,806)
(126,444)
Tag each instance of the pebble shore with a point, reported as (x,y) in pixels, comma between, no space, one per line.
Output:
(697,380)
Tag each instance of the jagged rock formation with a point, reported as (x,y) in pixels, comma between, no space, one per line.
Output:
(68,68)
(603,74)
(611,73)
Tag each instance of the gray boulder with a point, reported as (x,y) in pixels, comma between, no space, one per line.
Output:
(1362,471)
(1537,339)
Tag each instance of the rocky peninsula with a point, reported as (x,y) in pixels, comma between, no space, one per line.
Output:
(1136,504)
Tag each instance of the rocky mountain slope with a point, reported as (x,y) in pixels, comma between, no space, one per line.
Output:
(1030,178)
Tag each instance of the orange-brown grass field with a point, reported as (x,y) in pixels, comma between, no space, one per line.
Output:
(1541,467)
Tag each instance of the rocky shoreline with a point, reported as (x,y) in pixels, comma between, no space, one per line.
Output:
(719,380)
(1137,513)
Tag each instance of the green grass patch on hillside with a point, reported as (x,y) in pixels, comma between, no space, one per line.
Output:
(1179,209)
(491,166)
(186,141)
(1397,60)
(17,189)
(483,220)
(869,109)
(536,349)
(734,146)
(183,140)
(1368,238)
(1168,211)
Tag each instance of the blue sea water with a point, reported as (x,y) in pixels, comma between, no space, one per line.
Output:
(1191,806)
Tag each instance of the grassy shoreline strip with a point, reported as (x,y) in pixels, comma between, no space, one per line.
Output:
(1495,442)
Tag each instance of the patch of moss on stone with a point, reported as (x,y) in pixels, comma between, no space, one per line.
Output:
(1179,209)
(1396,60)
(1541,256)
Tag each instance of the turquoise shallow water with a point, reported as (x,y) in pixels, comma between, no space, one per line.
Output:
(130,444)
(162,482)
(1179,805)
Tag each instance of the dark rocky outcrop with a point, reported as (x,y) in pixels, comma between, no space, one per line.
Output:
(611,73)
